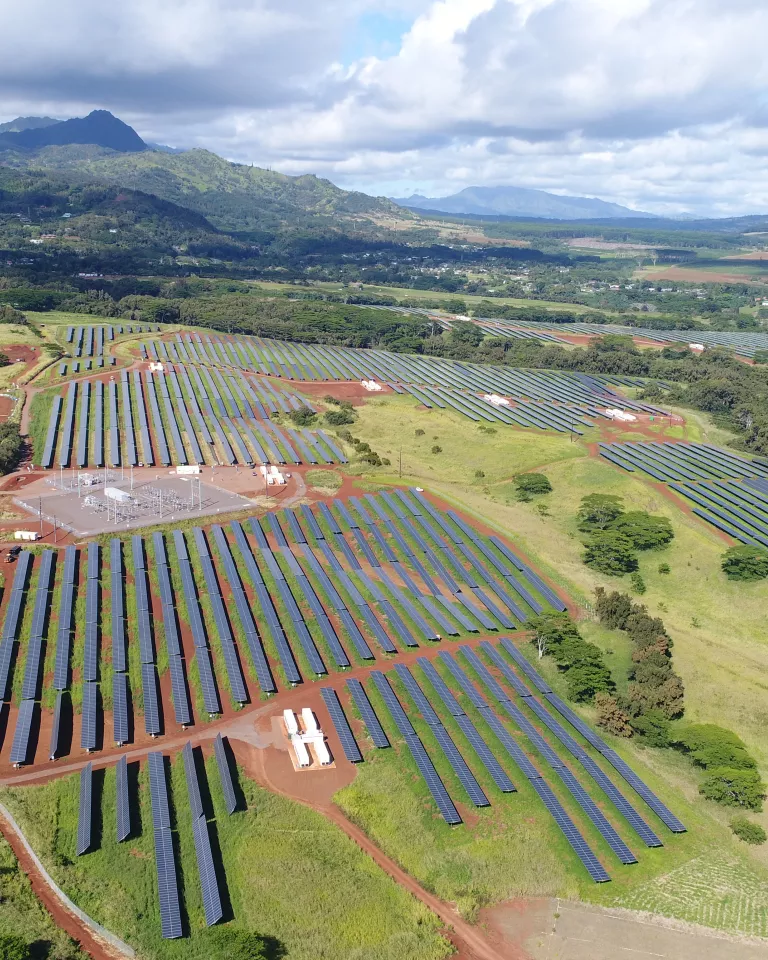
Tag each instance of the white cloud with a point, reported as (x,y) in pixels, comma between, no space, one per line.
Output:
(660,104)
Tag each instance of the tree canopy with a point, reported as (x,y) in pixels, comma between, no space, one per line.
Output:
(745,562)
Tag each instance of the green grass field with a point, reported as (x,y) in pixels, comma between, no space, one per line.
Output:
(405,293)
(22,914)
(289,875)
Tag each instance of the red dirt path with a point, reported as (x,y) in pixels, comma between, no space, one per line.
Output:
(63,919)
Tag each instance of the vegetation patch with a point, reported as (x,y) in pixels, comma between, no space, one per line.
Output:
(324,480)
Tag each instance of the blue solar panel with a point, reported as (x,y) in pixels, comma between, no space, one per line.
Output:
(207,682)
(341,725)
(449,701)
(363,704)
(225,774)
(193,784)
(435,785)
(151,704)
(207,871)
(123,800)
(85,818)
(20,746)
(572,835)
(88,717)
(459,765)
(170,911)
(53,749)
(120,708)
(94,561)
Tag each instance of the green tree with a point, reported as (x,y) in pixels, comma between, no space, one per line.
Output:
(638,584)
(646,532)
(734,788)
(598,510)
(745,563)
(653,727)
(339,418)
(612,609)
(711,746)
(13,948)
(748,831)
(466,334)
(236,944)
(533,483)
(586,678)
(303,417)
(437,449)
(610,553)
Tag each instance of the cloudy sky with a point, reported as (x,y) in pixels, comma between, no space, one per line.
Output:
(658,104)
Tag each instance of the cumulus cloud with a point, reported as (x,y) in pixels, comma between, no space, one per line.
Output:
(657,103)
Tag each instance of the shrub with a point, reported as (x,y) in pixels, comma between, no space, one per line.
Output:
(437,449)
(13,948)
(745,563)
(11,447)
(734,788)
(748,831)
(598,510)
(653,728)
(610,553)
(610,716)
(664,568)
(711,746)
(613,609)
(303,417)
(479,474)
(638,584)
(533,483)
(339,418)
(643,530)
(582,662)
(244,945)
(419,433)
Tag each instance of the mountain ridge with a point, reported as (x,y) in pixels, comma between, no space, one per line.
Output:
(100,128)
(519,201)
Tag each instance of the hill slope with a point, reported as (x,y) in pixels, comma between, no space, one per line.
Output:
(232,196)
(26,123)
(100,128)
(519,202)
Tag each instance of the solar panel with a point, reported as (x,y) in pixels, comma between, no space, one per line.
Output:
(509,675)
(416,693)
(363,704)
(53,749)
(170,910)
(225,774)
(120,732)
(572,835)
(207,681)
(445,694)
(597,817)
(463,680)
(435,785)
(193,784)
(341,725)
(88,717)
(123,800)
(151,704)
(94,559)
(179,692)
(483,751)
(20,746)
(207,871)
(85,817)
(460,767)
(402,722)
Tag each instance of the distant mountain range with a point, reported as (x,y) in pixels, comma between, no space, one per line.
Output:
(519,202)
(99,128)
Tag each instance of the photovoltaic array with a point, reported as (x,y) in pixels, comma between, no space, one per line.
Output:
(724,489)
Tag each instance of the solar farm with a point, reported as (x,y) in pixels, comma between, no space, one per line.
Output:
(724,489)
(146,674)
(141,643)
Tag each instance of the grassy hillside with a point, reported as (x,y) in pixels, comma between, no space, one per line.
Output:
(233,196)
(271,855)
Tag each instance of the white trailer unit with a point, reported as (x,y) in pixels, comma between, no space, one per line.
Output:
(321,750)
(308,719)
(291,724)
(302,754)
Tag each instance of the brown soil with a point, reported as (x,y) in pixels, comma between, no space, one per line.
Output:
(685,275)
(63,919)
(351,390)
(6,407)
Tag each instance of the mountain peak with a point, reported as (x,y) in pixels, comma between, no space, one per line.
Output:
(100,128)
(520,202)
